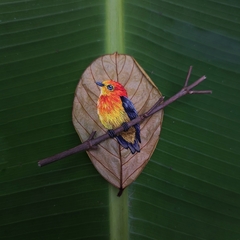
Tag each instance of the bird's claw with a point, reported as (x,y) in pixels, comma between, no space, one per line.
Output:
(111,133)
(125,126)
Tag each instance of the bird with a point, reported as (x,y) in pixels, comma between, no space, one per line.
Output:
(114,110)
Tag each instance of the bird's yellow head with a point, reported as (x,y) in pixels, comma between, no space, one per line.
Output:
(110,88)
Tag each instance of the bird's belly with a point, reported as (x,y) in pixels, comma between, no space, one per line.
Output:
(113,119)
(111,122)
(112,114)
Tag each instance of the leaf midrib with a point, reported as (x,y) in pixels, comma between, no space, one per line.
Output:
(118,206)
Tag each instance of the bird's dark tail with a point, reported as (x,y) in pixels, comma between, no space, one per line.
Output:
(134,147)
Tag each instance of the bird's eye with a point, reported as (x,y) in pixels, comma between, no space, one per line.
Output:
(110,87)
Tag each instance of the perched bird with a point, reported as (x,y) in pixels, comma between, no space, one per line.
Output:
(115,109)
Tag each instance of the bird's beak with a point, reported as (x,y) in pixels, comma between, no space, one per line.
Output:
(100,84)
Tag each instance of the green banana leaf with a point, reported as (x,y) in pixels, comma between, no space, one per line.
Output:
(189,190)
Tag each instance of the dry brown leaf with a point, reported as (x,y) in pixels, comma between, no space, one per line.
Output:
(116,164)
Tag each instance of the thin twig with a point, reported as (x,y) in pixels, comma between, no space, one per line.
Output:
(188,76)
(160,104)
(160,100)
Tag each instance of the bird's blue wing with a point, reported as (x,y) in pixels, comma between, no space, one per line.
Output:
(132,114)
(129,108)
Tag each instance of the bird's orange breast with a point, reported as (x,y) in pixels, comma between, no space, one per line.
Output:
(111,112)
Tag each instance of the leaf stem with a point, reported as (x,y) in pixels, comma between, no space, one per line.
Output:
(160,104)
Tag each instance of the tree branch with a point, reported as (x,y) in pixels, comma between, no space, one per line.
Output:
(160,104)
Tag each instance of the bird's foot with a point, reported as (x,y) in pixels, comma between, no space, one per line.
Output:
(125,126)
(111,133)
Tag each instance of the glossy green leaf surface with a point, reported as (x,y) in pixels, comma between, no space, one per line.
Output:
(190,188)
